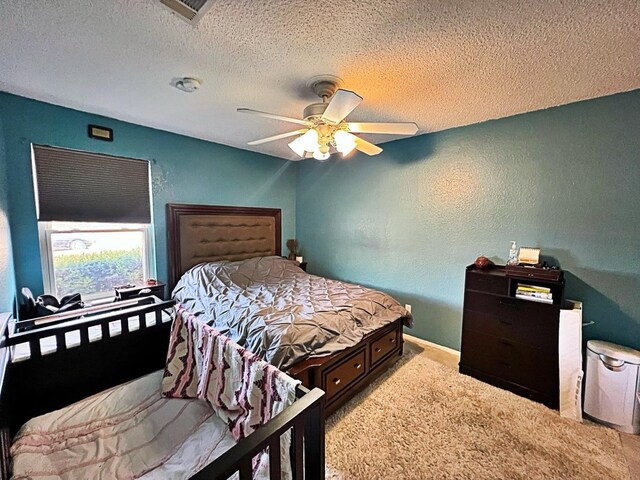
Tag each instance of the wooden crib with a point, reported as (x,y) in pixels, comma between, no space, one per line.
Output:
(112,348)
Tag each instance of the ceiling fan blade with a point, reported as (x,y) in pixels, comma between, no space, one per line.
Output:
(367,147)
(277,137)
(402,128)
(342,104)
(273,116)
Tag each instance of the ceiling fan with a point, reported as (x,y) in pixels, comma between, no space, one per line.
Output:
(324,129)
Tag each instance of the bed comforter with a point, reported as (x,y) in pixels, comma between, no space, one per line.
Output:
(279,312)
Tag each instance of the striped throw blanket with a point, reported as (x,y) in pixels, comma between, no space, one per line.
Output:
(244,391)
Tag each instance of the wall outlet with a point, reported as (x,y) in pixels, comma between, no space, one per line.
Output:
(407,307)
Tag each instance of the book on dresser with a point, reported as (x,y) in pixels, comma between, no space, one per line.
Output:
(534,293)
(510,331)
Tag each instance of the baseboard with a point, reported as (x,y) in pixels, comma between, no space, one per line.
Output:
(432,345)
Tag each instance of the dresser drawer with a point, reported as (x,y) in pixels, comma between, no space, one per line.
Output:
(382,346)
(344,374)
(487,282)
(538,334)
(507,308)
(524,365)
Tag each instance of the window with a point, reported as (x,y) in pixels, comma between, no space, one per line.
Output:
(94,258)
(94,221)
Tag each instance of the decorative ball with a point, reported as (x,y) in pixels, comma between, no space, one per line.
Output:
(483,263)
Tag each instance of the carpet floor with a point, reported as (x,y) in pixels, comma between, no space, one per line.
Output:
(423,420)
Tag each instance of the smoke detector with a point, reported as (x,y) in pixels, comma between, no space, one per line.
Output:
(191,11)
(187,84)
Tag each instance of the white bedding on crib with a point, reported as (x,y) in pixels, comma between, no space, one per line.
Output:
(129,431)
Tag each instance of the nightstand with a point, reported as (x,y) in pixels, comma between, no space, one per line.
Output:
(302,265)
(127,292)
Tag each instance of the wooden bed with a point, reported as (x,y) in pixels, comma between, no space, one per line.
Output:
(46,382)
(205,233)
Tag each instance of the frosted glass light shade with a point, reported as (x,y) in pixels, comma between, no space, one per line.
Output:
(297,147)
(309,140)
(345,142)
(318,155)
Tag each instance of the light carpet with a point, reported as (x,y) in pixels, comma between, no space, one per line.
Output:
(423,420)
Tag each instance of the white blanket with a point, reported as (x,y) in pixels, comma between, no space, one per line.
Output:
(127,432)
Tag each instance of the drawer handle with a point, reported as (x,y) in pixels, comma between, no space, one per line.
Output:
(336,381)
(505,322)
(392,340)
(508,303)
(358,366)
(378,349)
(505,343)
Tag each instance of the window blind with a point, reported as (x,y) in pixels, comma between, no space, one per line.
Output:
(77,186)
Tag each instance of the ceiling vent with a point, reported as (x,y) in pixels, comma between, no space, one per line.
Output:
(190,11)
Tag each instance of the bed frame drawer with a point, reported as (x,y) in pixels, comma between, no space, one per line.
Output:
(344,374)
(354,367)
(382,346)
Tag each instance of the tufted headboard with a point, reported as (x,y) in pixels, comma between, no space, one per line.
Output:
(207,233)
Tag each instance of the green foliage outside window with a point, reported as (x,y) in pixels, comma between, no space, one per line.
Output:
(97,272)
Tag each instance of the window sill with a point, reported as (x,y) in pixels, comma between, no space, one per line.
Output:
(96,302)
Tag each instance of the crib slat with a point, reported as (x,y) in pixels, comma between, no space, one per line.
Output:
(34,348)
(245,469)
(275,470)
(105,330)
(61,342)
(298,448)
(314,445)
(5,444)
(84,335)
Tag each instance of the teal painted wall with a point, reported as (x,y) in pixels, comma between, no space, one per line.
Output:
(7,279)
(184,170)
(408,221)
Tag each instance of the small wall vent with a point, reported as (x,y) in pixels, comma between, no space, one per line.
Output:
(190,11)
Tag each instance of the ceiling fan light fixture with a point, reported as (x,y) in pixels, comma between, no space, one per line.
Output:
(318,155)
(347,151)
(309,140)
(297,147)
(324,125)
(345,142)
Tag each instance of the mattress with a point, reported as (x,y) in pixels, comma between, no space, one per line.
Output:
(127,432)
(276,310)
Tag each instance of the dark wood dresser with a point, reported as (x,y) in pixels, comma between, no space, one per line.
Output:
(509,342)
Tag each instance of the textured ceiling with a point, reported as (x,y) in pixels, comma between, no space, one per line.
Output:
(440,63)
